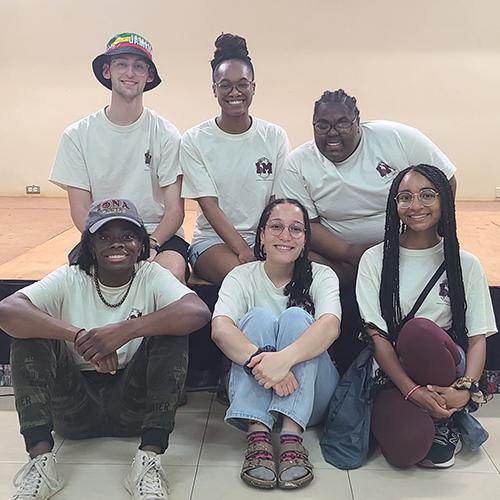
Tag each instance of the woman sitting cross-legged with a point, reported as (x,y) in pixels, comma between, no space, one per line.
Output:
(434,361)
(275,319)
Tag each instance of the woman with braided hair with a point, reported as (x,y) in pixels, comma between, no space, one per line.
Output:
(223,154)
(433,361)
(275,319)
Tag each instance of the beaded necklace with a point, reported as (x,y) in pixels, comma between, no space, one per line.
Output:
(99,292)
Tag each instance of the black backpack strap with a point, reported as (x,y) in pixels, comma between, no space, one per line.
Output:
(424,294)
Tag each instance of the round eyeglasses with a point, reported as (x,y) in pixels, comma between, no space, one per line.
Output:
(295,230)
(427,197)
(140,68)
(226,87)
(322,127)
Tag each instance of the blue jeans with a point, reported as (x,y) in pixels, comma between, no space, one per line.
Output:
(317,378)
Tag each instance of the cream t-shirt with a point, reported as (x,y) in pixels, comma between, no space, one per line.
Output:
(350,197)
(69,294)
(416,268)
(248,286)
(237,169)
(113,161)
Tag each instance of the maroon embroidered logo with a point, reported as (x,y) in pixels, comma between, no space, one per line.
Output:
(264,169)
(147,160)
(384,170)
(444,291)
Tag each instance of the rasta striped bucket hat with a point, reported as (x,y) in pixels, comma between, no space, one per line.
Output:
(126,43)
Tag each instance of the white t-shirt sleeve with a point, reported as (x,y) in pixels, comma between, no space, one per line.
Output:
(420,149)
(196,182)
(291,184)
(367,289)
(231,301)
(48,293)
(165,287)
(325,292)
(70,169)
(169,168)
(479,316)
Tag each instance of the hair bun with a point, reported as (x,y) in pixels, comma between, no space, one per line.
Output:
(229,46)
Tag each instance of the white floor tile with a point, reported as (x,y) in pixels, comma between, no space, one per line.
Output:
(492,445)
(466,461)
(416,484)
(184,448)
(197,402)
(94,482)
(7,402)
(12,443)
(222,482)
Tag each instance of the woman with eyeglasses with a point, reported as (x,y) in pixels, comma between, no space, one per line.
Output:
(342,177)
(229,164)
(275,319)
(434,361)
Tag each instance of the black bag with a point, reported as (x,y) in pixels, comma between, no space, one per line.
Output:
(346,437)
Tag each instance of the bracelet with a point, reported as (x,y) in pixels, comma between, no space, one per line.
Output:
(154,243)
(260,350)
(76,334)
(411,391)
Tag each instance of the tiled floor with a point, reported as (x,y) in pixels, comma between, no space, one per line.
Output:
(204,456)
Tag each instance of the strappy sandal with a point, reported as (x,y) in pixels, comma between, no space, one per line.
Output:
(293,455)
(254,459)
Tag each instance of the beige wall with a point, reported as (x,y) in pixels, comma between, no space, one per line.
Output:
(434,64)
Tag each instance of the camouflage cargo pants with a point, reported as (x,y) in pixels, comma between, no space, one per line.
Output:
(141,399)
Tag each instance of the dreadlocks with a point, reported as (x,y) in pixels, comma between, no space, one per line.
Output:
(297,290)
(389,287)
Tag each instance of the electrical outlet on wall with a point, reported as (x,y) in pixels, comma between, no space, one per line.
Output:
(32,189)
(497,193)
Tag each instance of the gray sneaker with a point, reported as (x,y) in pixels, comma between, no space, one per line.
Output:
(446,445)
(38,479)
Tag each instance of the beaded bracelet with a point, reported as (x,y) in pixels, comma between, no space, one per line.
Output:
(411,391)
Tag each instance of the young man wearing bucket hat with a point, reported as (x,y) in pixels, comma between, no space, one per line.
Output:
(99,349)
(127,151)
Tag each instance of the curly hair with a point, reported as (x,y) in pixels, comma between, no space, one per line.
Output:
(229,46)
(297,290)
(447,228)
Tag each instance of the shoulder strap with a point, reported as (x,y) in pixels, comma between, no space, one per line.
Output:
(424,293)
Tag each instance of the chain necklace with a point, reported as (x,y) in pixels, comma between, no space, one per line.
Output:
(99,292)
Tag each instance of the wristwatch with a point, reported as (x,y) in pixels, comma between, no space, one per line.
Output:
(266,348)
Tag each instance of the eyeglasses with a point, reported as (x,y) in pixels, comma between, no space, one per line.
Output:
(342,126)
(226,87)
(426,196)
(140,68)
(295,230)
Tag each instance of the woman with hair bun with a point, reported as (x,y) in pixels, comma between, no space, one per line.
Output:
(275,319)
(229,164)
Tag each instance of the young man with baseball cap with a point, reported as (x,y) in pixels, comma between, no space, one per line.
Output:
(99,349)
(127,151)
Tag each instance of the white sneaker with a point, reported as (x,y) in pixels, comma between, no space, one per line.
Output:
(38,479)
(147,479)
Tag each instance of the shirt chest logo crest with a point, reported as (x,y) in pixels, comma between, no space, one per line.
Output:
(385,170)
(263,168)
